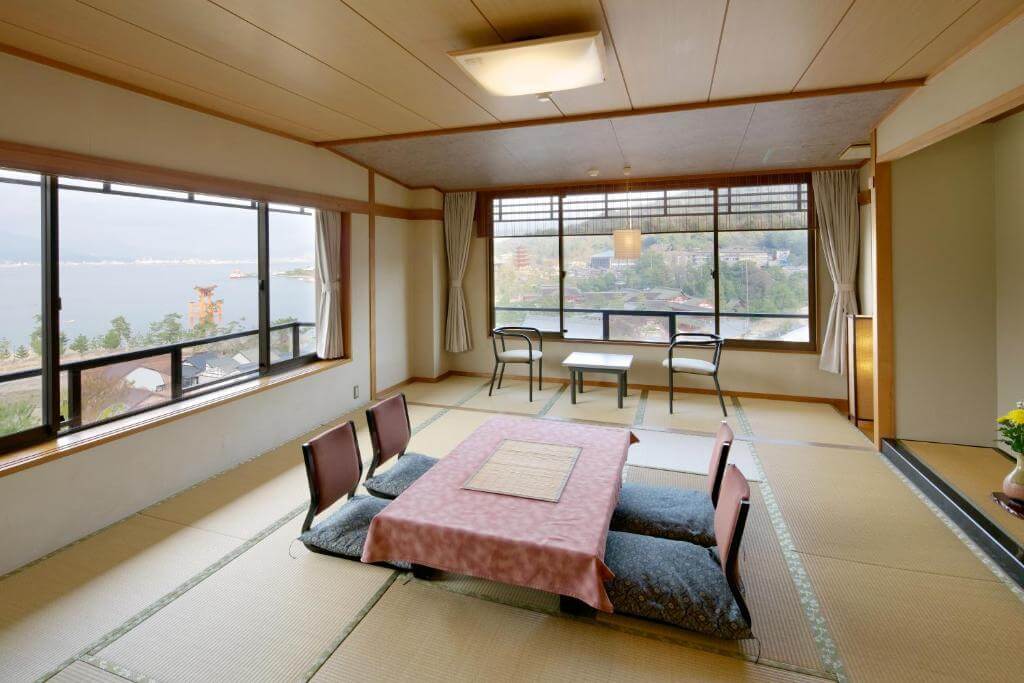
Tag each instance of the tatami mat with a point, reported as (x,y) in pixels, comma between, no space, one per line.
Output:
(447,392)
(694,412)
(446,432)
(513,397)
(779,624)
(815,422)
(686,453)
(52,610)
(599,404)
(895,625)
(422,633)
(80,672)
(976,473)
(846,504)
(263,617)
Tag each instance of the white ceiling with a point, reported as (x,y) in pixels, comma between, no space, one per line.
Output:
(322,70)
(795,133)
(336,69)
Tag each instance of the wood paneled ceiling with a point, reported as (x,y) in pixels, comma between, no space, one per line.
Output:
(324,70)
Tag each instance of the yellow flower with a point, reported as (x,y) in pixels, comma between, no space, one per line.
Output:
(1013,417)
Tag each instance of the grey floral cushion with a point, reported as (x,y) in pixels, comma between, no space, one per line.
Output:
(672,581)
(677,514)
(400,476)
(344,532)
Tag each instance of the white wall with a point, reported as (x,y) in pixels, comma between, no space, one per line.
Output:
(794,374)
(93,488)
(865,264)
(960,96)
(944,291)
(1008,144)
(394,288)
(52,108)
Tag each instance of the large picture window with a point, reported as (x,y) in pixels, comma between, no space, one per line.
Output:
(734,257)
(122,298)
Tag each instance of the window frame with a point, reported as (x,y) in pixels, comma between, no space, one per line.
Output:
(55,424)
(485,229)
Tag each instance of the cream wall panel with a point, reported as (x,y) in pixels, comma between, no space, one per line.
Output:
(429,298)
(992,70)
(865,264)
(387,191)
(394,291)
(1008,143)
(107,121)
(794,374)
(944,291)
(753,60)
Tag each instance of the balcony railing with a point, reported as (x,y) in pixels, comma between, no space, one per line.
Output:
(172,361)
(671,318)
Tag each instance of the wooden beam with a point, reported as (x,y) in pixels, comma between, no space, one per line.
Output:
(620,113)
(371,218)
(992,109)
(59,162)
(883,353)
(346,283)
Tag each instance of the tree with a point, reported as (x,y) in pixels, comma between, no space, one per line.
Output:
(35,339)
(16,416)
(166,331)
(111,340)
(5,348)
(21,353)
(122,328)
(81,344)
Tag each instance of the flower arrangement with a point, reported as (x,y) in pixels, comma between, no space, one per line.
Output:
(1011,428)
(1011,433)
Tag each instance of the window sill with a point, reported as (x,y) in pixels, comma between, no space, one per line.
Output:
(808,348)
(68,444)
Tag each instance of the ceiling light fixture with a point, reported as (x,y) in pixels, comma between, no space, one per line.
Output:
(529,67)
(593,172)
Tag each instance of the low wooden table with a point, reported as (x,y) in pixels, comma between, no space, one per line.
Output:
(613,363)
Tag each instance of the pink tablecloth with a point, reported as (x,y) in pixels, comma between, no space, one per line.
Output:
(556,547)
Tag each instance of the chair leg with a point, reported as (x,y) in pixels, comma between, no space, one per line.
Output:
(720,399)
(490,392)
(670,392)
(540,374)
(501,375)
(530,382)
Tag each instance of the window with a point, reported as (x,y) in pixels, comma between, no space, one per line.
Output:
(21,319)
(145,295)
(292,247)
(638,266)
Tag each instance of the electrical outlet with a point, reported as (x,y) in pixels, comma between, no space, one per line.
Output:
(355,391)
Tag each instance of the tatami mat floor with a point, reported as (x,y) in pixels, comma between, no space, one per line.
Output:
(849,574)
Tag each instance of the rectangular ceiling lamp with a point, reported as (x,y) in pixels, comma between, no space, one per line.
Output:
(538,66)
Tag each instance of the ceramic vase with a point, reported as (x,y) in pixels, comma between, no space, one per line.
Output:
(1013,485)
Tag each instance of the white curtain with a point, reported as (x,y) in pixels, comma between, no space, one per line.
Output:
(329,340)
(458,236)
(835,203)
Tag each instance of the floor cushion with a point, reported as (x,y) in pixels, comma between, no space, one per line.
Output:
(677,514)
(672,581)
(344,531)
(400,476)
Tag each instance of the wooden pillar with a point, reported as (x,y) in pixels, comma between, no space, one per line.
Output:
(883,395)
(371,217)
